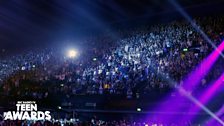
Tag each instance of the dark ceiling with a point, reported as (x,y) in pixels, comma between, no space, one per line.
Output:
(27,23)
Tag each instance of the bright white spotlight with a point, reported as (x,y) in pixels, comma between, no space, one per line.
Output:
(72,53)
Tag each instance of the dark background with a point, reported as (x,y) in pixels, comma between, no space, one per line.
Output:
(28,24)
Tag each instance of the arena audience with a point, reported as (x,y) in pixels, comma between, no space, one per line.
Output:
(116,66)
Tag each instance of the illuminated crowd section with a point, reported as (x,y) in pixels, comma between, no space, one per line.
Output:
(172,59)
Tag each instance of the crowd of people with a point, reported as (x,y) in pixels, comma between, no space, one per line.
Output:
(136,61)
(96,121)
(93,122)
(139,61)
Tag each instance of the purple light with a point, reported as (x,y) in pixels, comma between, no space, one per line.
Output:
(211,91)
(199,73)
(190,83)
(211,121)
(207,95)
